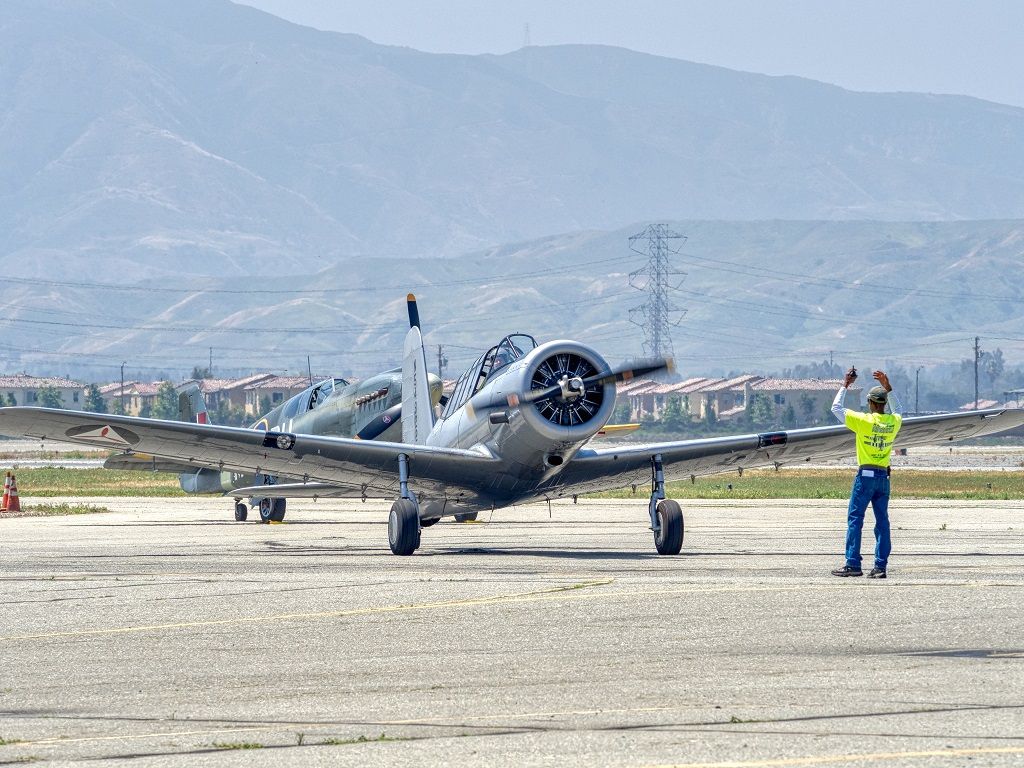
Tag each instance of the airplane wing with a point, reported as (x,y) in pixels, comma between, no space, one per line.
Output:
(143,462)
(364,467)
(616,467)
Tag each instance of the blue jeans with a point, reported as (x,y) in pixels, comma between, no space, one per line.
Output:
(873,490)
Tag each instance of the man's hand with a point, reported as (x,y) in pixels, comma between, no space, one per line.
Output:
(850,377)
(883,380)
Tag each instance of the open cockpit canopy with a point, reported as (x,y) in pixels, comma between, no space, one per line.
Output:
(508,350)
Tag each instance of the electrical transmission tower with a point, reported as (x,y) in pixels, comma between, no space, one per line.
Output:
(658,278)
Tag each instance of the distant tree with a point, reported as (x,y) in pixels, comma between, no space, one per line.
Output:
(622,412)
(116,407)
(761,410)
(94,402)
(710,417)
(50,397)
(807,408)
(201,373)
(166,405)
(11,399)
(789,417)
(146,410)
(993,365)
(673,419)
(266,406)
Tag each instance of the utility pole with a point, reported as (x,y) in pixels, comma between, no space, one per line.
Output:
(210,369)
(977,359)
(917,389)
(658,278)
(122,388)
(442,361)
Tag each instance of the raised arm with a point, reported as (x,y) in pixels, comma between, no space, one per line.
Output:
(895,406)
(838,405)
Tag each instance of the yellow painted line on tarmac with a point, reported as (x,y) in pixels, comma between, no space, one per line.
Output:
(468,602)
(157,734)
(571,591)
(851,758)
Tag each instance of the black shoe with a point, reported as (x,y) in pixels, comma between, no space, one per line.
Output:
(877,573)
(847,570)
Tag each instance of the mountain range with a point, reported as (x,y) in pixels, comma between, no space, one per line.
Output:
(171,148)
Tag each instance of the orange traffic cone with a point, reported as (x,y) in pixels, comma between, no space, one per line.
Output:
(7,493)
(13,504)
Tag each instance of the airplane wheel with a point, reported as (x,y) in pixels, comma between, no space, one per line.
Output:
(266,510)
(278,514)
(468,517)
(404,527)
(241,512)
(426,523)
(669,540)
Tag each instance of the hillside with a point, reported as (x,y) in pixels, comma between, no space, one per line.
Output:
(150,139)
(760,296)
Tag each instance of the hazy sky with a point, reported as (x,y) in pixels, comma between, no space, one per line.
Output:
(939,46)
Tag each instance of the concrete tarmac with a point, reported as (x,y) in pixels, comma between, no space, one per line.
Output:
(164,633)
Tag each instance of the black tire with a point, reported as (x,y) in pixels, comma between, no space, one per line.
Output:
(669,539)
(277,515)
(404,527)
(468,517)
(427,522)
(266,510)
(241,512)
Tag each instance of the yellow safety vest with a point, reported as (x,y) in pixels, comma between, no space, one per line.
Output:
(875,435)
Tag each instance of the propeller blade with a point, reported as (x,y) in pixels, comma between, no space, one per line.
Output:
(414,312)
(625,374)
(613,376)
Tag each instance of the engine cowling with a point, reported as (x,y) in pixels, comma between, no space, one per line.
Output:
(575,414)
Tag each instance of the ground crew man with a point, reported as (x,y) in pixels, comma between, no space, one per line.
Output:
(875,432)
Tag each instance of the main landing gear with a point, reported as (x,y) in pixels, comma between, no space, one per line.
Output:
(272,510)
(666,514)
(404,520)
(241,511)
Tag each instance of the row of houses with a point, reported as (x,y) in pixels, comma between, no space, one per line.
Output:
(728,399)
(250,393)
(699,397)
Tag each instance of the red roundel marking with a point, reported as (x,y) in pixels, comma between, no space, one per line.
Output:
(103,432)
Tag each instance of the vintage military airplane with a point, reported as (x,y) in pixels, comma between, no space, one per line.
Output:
(367,410)
(515,430)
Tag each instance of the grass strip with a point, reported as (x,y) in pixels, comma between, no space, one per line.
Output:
(53,510)
(61,481)
(967,485)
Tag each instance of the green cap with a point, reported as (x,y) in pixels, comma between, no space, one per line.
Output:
(878,395)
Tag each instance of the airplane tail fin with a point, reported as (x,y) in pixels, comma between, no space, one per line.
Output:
(192,405)
(417,413)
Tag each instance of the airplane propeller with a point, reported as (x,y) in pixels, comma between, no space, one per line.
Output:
(569,388)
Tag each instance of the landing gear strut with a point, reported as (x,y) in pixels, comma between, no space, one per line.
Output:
(404,518)
(666,514)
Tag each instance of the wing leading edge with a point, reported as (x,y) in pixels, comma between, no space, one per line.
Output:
(364,467)
(609,468)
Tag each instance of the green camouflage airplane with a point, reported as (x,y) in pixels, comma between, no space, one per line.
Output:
(368,410)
